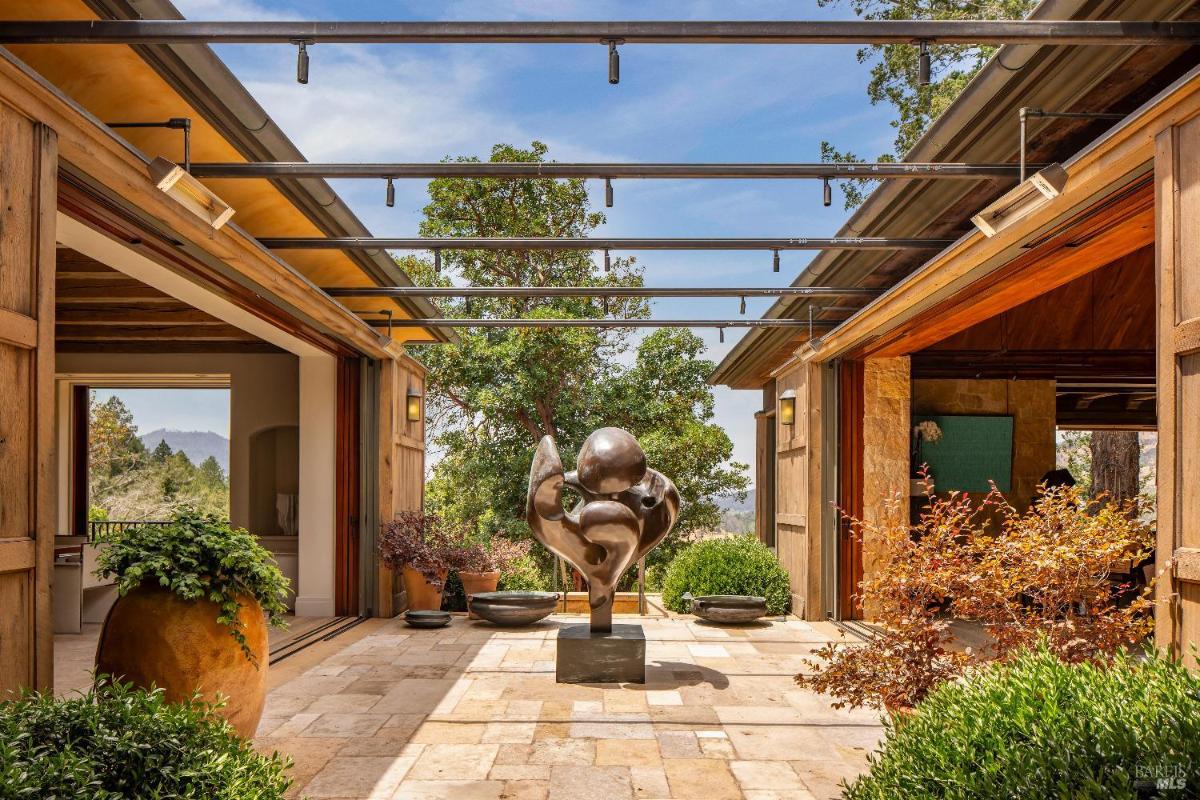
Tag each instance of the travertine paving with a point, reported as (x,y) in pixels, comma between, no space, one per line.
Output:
(472,712)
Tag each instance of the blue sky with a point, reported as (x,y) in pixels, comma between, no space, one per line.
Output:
(674,103)
(174,409)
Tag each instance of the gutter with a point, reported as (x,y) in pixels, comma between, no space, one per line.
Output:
(202,78)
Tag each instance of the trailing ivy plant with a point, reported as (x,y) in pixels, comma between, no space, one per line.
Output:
(199,557)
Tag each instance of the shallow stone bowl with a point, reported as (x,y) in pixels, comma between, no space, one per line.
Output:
(729,609)
(427,619)
(512,609)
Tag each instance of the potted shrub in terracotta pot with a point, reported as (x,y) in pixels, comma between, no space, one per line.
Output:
(479,565)
(418,546)
(195,599)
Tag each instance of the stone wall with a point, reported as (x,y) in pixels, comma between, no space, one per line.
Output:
(887,419)
(1029,403)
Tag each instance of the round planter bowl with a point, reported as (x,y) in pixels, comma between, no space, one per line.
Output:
(427,619)
(729,609)
(154,636)
(513,609)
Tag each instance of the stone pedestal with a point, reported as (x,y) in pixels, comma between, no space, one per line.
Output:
(587,656)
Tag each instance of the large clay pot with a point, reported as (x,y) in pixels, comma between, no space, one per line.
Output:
(152,636)
(477,583)
(422,595)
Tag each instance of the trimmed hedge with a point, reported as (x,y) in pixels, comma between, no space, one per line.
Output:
(119,742)
(1042,728)
(730,565)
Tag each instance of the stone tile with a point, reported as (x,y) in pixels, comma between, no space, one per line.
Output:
(509,732)
(414,695)
(590,783)
(563,751)
(717,748)
(442,762)
(774,775)
(526,790)
(434,732)
(343,703)
(450,790)
(700,778)
(519,772)
(359,776)
(627,753)
(309,756)
(667,697)
(708,651)
(678,744)
(345,725)
(779,743)
(649,782)
(791,794)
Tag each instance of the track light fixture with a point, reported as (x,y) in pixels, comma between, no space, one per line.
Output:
(387,312)
(924,66)
(742,307)
(827,194)
(607,261)
(605,299)
(437,261)
(301,61)
(391,193)
(721,335)
(614,60)
(608,193)
(775,261)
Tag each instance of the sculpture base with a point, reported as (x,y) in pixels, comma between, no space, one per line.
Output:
(585,656)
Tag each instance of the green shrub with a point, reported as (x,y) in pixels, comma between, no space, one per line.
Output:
(199,556)
(524,574)
(1041,728)
(730,565)
(120,742)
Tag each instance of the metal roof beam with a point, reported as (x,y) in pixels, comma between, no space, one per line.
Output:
(539,243)
(553,170)
(1104,32)
(597,291)
(400,322)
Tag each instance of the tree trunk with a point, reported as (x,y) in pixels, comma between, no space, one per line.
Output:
(1115,467)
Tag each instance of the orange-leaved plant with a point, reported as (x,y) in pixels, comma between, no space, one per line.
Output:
(1042,574)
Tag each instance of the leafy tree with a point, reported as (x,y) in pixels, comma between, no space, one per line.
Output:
(161,452)
(894,70)
(493,395)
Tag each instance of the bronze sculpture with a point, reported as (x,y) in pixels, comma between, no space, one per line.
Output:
(625,511)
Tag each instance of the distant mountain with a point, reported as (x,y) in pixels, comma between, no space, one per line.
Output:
(731,503)
(198,445)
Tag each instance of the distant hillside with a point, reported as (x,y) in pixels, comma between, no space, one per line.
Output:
(198,445)
(733,504)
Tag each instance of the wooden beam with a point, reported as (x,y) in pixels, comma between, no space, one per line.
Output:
(165,346)
(73,290)
(122,314)
(212,333)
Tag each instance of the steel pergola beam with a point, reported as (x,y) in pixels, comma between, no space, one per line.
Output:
(596,291)
(400,322)
(538,243)
(558,170)
(1081,32)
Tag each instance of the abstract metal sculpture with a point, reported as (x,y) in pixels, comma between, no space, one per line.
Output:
(625,511)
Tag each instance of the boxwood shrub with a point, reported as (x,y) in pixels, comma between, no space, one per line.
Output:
(729,565)
(120,742)
(1041,728)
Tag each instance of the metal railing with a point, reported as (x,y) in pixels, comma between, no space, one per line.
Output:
(103,530)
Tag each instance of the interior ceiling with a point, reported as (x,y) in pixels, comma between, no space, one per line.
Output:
(100,309)
(1094,336)
(116,85)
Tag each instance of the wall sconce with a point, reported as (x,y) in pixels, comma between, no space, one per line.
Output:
(414,405)
(787,407)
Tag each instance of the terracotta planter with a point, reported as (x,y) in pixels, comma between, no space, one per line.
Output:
(422,596)
(478,583)
(900,714)
(152,636)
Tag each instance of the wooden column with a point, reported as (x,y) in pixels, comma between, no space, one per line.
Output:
(346,542)
(850,487)
(1177,242)
(28,166)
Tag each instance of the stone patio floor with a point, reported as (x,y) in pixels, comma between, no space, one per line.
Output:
(472,712)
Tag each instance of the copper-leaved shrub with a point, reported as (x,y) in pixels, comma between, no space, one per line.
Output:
(1044,574)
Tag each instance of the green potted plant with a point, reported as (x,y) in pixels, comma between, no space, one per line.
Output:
(419,547)
(195,599)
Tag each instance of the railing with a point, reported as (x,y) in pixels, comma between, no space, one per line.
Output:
(103,530)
